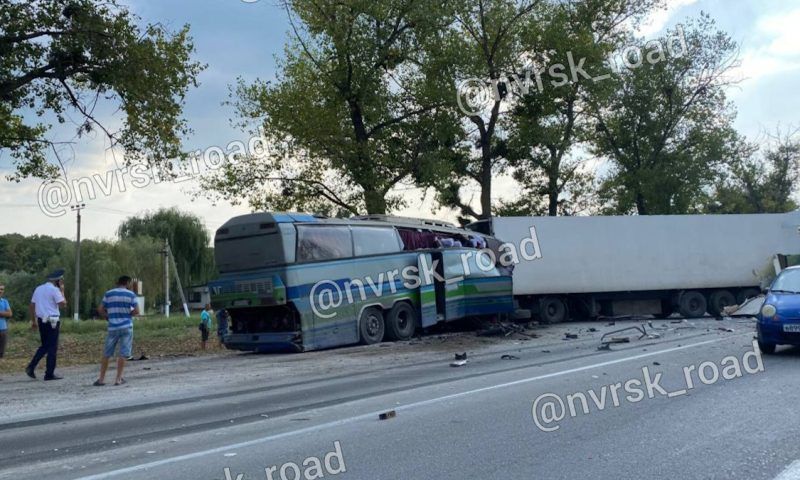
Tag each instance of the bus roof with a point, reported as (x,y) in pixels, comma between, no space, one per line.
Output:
(271,218)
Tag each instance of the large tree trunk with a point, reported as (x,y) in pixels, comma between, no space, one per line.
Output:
(640,206)
(375,202)
(486,190)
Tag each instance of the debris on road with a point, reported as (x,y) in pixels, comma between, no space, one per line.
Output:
(509,357)
(726,329)
(387,415)
(570,336)
(749,308)
(505,329)
(460,360)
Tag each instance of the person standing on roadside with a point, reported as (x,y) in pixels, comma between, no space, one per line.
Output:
(118,307)
(222,325)
(205,325)
(44,312)
(5,315)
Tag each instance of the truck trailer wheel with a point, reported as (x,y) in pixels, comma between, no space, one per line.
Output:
(692,304)
(401,322)
(552,310)
(743,295)
(370,326)
(718,300)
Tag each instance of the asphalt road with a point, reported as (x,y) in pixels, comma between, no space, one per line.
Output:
(476,421)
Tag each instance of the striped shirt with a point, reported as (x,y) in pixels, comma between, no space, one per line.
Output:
(119,303)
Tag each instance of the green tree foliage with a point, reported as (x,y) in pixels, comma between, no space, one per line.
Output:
(667,129)
(64,57)
(19,288)
(102,262)
(351,113)
(483,42)
(29,254)
(550,121)
(187,237)
(760,183)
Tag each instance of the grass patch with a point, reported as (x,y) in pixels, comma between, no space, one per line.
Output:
(81,343)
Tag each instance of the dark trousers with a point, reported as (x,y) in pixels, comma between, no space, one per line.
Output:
(49,337)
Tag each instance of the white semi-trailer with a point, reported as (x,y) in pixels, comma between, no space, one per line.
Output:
(658,265)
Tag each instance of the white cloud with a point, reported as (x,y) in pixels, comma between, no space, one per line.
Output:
(659,19)
(778,52)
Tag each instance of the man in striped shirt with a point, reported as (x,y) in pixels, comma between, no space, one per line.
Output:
(119,307)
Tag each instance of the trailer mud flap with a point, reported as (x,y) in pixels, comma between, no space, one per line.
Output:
(427,291)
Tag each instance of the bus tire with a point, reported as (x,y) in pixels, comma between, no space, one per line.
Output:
(552,310)
(371,327)
(692,304)
(401,322)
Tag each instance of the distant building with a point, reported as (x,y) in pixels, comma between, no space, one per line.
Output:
(198,296)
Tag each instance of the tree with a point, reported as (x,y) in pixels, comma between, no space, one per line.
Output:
(482,46)
(550,120)
(760,184)
(667,129)
(63,58)
(187,238)
(350,115)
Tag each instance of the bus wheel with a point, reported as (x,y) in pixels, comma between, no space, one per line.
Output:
(370,326)
(552,310)
(401,322)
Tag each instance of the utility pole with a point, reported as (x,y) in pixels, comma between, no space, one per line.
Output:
(178,279)
(76,298)
(166,277)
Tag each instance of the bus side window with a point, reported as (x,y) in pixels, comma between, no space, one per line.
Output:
(323,243)
(375,240)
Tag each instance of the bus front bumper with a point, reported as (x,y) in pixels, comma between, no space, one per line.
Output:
(265,342)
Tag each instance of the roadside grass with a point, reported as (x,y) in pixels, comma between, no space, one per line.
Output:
(81,343)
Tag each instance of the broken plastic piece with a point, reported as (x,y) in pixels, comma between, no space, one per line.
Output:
(387,415)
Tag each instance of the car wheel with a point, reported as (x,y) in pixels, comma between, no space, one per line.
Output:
(371,326)
(552,310)
(401,322)
(692,304)
(718,300)
(767,348)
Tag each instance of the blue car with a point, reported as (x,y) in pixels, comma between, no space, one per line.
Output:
(779,318)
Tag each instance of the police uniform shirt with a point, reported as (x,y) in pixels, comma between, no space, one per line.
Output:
(47,297)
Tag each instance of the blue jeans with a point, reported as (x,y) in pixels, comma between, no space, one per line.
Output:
(122,337)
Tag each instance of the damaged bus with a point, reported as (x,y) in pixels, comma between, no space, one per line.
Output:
(298,282)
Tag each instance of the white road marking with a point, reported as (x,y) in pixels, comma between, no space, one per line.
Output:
(792,472)
(344,421)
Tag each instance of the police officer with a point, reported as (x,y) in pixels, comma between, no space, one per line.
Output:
(47,299)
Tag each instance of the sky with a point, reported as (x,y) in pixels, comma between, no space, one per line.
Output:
(241,39)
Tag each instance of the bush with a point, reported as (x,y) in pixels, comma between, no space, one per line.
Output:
(19,288)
